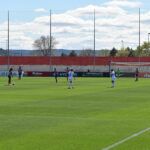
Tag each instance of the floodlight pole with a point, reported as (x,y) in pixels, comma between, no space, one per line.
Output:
(122,44)
(139,29)
(50,40)
(94,41)
(8,53)
(148,41)
(139,35)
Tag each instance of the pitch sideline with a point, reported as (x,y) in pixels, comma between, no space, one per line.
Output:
(126,139)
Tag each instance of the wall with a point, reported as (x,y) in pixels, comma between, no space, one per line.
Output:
(102,64)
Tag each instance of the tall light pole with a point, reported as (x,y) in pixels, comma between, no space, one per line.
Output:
(148,41)
(139,29)
(94,41)
(50,39)
(122,44)
(148,37)
(139,36)
(8,53)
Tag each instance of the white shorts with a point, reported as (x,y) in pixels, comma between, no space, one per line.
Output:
(70,80)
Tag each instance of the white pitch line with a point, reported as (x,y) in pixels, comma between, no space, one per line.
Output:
(126,139)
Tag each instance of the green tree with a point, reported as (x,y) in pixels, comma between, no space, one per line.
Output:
(144,50)
(3,52)
(113,52)
(122,53)
(127,52)
(131,52)
(73,53)
(63,54)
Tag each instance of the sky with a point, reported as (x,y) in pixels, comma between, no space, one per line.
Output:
(72,23)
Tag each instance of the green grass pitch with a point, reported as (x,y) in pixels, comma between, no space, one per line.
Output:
(38,114)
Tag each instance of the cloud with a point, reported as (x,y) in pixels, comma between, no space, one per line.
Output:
(40,10)
(116,20)
(100,10)
(124,3)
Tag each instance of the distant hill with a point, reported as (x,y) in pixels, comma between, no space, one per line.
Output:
(21,52)
(57,52)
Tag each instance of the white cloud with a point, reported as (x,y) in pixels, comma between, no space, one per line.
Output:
(116,20)
(124,3)
(40,10)
(100,10)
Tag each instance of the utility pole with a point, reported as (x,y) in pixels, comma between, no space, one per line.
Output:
(148,42)
(139,37)
(139,29)
(50,40)
(94,40)
(122,45)
(8,53)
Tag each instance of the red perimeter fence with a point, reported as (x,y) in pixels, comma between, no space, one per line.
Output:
(80,61)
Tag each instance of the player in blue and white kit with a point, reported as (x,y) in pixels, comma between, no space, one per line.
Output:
(113,77)
(20,73)
(70,79)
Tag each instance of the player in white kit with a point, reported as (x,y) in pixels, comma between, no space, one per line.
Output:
(113,77)
(70,79)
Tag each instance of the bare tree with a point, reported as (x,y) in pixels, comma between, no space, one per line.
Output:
(43,45)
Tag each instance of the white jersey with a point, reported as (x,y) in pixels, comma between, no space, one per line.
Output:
(70,75)
(113,76)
